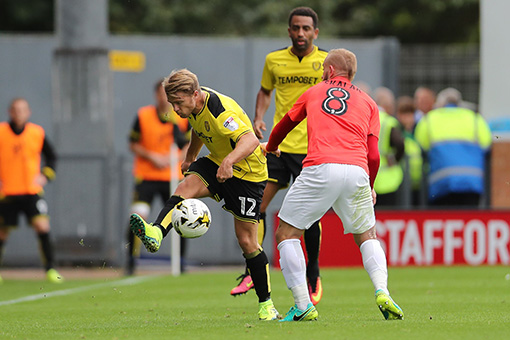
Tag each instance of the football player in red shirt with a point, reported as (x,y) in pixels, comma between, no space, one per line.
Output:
(338,172)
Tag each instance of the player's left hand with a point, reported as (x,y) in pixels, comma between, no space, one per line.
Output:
(185,166)
(374,196)
(263,146)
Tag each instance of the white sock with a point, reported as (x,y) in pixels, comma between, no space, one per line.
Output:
(292,263)
(374,261)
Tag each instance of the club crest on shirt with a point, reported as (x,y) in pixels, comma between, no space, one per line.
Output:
(316,65)
(231,124)
(207,126)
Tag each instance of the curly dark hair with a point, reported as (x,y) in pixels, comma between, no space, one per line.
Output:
(306,12)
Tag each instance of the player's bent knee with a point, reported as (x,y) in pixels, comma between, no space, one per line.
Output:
(370,234)
(285,231)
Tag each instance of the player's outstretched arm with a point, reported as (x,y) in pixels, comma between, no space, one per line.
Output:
(261,106)
(373,158)
(194,147)
(280,131)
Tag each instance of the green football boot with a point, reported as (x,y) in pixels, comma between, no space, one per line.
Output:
(53,276)
(150,235)
(267,311)
(389,309)
(296,314)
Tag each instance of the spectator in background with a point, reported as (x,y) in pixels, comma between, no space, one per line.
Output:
(22,144)
(391,150)
(405,113)
(155,129)
(456,141)
(385,100)
(413,152)
(424,100)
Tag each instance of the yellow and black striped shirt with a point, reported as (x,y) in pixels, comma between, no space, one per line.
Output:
(219,125)
(291,76)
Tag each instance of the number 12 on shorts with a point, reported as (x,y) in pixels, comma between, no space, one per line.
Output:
(251,202)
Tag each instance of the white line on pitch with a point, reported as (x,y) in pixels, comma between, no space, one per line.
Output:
(124,282)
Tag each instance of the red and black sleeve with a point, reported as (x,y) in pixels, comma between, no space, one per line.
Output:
(279,132)
(373,158)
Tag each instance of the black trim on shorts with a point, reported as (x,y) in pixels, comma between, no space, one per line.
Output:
(284,168)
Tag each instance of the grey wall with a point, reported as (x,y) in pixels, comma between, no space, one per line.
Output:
(230,65)
(495,49)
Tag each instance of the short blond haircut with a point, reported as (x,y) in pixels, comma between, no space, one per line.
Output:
(181,80)
(344,61)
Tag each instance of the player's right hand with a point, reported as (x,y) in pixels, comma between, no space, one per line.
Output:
(259,126)
(263,146)
(185,166)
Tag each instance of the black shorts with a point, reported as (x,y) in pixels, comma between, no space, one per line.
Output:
(282,169)
(146,191)
(30,205)
(242,198)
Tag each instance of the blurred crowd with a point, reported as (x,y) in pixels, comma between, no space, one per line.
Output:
(434,150)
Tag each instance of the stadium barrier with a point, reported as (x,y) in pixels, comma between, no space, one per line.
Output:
(423,238)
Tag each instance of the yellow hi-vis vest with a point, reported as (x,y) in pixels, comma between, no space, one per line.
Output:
(415,159)
(389,177)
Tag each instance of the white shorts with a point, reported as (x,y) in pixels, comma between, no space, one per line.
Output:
(343,187)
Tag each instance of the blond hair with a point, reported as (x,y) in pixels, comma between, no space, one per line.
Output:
(181,80)
(344,61)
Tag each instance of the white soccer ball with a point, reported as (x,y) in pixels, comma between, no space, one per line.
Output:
(191,218)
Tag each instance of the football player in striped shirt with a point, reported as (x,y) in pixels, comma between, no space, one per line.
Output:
(234,171)
(290,72)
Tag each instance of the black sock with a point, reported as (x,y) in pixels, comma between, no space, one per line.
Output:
(164,220)
(313,242)
(258,265)
(130,267)
(46,249)
(261,234)
(1,251)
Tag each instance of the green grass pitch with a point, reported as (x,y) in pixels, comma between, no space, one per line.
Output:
(438,302)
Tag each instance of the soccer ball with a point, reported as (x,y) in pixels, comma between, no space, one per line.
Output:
(191,218)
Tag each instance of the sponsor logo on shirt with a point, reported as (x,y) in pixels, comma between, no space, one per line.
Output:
(299,80)
(205,138)
(231,124)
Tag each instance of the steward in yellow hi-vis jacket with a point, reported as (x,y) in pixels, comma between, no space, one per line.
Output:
(456,141)
(390,175)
